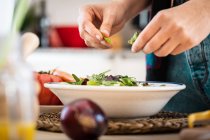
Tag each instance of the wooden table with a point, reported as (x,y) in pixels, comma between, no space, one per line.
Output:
(42,135)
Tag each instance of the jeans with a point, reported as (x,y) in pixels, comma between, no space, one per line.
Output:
(191,68)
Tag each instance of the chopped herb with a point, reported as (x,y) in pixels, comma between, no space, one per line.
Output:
(108,40)
(109,83)
(97,79)
(78,80)
(128,81)
(133,38)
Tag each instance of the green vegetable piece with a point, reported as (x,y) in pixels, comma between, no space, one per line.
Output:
(108,40)
(109,83)
(93,83)
(133,38)
(78,80)
(128,81)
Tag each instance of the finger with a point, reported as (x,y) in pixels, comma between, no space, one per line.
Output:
(106,26)
(167,48)
(92,42)
(95,45)
(85,24)
(150,30)
(158,40)
(93,31)
(106,44)
(179,49)
(186,45)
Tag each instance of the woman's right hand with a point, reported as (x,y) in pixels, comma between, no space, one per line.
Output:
(98,20)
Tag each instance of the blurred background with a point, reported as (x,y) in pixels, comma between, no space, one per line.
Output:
(55,22)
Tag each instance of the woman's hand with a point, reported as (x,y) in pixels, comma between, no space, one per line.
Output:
(175,30)
(98,20)
(105,19)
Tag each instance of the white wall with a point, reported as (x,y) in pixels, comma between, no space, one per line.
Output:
(65,12)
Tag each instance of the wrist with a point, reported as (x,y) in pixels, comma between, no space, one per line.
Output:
(203,7)
(132,8)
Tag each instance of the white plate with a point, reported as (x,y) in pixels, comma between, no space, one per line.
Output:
(50,108)
(120,101)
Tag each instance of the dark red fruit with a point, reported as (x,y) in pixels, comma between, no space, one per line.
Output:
(83,120)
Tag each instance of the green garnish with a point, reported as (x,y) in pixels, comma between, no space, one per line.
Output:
(133,38)
(105,80)
(108,40)
(97,79)
(78,80)
(110,83)
(127,81)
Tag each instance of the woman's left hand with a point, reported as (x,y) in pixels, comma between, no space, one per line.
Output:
(175,30)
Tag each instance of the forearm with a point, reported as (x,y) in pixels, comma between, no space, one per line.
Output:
(133,7)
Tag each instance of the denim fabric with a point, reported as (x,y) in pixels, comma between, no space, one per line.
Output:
(191,68)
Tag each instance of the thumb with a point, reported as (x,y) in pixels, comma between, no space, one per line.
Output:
(106,26)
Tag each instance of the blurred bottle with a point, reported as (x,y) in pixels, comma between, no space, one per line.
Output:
(17,96)
(44,25)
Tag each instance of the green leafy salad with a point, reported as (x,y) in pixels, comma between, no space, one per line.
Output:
(106,80)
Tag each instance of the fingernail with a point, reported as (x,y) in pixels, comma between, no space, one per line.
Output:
(146,50)
(98,37)
(133,49)
(105,44)
(105,32)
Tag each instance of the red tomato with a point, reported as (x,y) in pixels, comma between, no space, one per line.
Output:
(46,97)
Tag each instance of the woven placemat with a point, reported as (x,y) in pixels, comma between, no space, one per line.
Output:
(163,122)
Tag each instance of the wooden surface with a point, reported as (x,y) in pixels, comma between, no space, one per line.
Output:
(42,135)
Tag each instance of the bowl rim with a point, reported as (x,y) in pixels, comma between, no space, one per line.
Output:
(64,86)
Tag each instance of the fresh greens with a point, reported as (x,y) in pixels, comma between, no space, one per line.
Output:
(110,80)
(127,81)
(97,79)
(133,38)
(108,40)
(78,80)
(105,80)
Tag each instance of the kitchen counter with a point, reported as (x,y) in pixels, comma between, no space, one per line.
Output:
(42,135)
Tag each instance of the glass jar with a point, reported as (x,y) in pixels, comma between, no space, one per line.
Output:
(17,95)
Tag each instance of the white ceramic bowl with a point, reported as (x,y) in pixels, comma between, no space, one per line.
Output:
(120,102)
